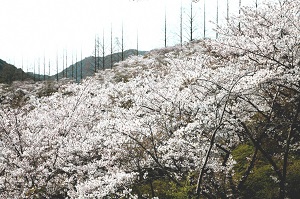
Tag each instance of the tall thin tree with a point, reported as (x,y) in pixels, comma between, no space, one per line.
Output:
(227,10)
(204,19)
(44,68)
(240,6)
(49,70)
(122,42)
(111,46)
(181,23)
(103,51)
(191,22)
(63,63)
(165,25)
(22,72)
(217,19)
(76,73)
(137,42)
(95,69)
(66,64)
(98,53)
(34,70)
(72,68)
(56,67)
(81,64)
(39,70)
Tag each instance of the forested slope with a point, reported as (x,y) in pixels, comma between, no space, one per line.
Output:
(9,73)
(212,119)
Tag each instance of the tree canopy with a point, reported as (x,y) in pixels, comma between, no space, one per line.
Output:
(211,119)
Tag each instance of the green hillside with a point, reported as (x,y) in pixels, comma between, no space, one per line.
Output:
(77,73)
(9,73)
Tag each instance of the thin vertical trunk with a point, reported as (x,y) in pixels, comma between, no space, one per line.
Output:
(56,67)
(122,43)
(181,24)
(63,63)
(191,22)
(66,64)
(49,70)
(217,19)
(240,4)
(289,139)
(81,65)
(39,69)
(152,189)
(103,52)
(137,42)
(44,68)
(111,47)
(22,77)
(34,70)
(165,26)
(76,73)
(95,70)
(98,53)
(72,68)
(227,10)
(204,20)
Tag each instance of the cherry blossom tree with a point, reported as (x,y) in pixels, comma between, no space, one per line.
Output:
(177,116)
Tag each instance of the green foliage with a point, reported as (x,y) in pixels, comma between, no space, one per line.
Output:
(164,188)
(293,179)
(262,181)
(241,155)
(260,184)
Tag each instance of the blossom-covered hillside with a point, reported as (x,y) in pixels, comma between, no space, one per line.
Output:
(210,119)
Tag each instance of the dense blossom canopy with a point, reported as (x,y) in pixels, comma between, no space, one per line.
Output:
(176,113)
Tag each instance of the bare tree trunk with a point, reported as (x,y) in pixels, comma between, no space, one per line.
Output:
(122,43)
(98,53)
(22,77)
(95,70)
(76,73)
(81,65)
(49,70)
(204,20)
(72,68)
(290,136)
(44,68)
(66,64)
(63,63)
(137,42)
(217,18)
(227,10)
(181,18)
(39,69)
(165,26)
(240,5)
(103,51)
(34,70)
(56,67)
(111,47)
(191,22)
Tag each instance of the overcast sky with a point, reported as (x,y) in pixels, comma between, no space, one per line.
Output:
(34,29)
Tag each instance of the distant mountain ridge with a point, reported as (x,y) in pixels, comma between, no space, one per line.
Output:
(88,65)
(9,73)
